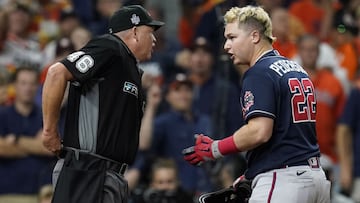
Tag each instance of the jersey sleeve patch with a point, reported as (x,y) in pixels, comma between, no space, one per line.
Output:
(248,100)
(84,63)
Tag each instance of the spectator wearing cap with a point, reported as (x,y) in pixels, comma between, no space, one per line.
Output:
(105,108)
(213,95)
(174,129)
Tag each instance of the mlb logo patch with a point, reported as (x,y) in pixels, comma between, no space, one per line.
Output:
(130,88)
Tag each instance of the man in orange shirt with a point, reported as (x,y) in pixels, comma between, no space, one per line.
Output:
(315,15)
(329,93)
(342,40)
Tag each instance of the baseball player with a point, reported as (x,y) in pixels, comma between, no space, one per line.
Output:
(279,107)
(105,107)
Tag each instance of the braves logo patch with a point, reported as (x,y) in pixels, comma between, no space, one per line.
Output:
(248,100)
(130,88)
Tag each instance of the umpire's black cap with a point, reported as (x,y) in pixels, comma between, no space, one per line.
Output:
(130,16)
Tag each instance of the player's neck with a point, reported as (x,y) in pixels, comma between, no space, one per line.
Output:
(259,53)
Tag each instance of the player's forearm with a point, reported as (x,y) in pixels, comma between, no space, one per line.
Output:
(251,135)
(344,147)
(53,93)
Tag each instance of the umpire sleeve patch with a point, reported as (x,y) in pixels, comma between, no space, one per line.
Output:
(84,63)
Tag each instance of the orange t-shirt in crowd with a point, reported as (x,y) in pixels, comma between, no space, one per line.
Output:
(347,56)
(309,14)
(330,100)
(287,48)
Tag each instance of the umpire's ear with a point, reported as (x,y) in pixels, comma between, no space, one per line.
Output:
(135,33)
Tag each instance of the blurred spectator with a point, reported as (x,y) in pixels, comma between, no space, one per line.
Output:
(163,60)
(331,173)
(47,14)
(235,165)
(282,23)
(330,97)
(214,96)
(3,30)
(63,47)
(211,23)
(269,5)
(315,15)
(20,49)
(104,8)
(174,130)
(189,20)
(3,90)
(4,58)
(25,165)
(68,22)
(342,40)
(134,174)
(171,10)
(80,36)
(348,145)
(94,14)
(46,194)
(164,185)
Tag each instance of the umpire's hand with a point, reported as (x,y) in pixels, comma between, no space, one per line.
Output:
(205,149)
(51,141)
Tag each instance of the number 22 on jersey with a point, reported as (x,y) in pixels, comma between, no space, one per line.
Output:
(303,103)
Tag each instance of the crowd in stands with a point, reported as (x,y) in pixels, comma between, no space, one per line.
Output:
(191,86)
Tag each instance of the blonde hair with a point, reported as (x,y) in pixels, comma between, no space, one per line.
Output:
(251,16)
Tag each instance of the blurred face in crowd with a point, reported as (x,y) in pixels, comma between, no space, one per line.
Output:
(107,7)
(280,22)
(19,21)
(79,37)
(201,61)
(180,97)
(68,25)
(308,49)
(164,179)
(238,43)
(26,85)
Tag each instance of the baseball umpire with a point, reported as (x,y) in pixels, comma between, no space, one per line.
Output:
(279,107)
(105,107)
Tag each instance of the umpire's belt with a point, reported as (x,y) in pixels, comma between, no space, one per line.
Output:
(110,164)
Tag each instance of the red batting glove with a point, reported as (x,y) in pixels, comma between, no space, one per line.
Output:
(205,149)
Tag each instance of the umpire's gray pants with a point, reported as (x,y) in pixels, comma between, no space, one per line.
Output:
(115,186)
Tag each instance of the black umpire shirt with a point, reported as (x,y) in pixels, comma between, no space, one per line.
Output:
(105,103)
